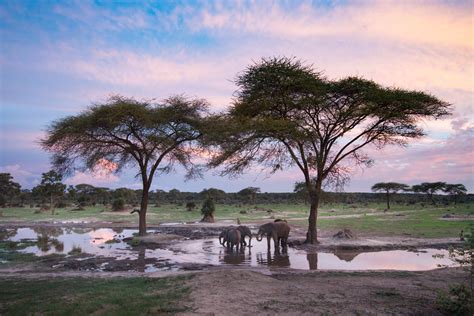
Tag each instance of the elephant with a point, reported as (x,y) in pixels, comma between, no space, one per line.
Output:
(233,239)
(279,231)
(245,231)
(223,237)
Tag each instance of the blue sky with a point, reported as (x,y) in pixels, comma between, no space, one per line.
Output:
(58,57)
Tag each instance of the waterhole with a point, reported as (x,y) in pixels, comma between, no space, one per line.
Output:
(108,243)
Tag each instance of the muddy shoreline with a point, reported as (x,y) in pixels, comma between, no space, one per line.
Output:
(296,240)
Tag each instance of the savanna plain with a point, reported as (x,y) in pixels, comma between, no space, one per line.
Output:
(405,260)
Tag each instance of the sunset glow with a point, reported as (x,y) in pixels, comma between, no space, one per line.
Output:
(57,58)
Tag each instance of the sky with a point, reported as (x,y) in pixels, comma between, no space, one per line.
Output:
(59,57)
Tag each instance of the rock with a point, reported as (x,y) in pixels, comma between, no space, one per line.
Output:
(447,216)
(344,234)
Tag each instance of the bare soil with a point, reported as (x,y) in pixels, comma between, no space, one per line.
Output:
(246,292)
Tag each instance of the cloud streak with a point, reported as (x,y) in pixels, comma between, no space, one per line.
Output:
(90,51)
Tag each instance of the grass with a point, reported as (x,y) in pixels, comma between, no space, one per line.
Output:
(10,256)
(423,222)
(9,253)
(417,220)
(81,296)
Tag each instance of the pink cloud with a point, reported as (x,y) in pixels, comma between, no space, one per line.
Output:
(427,22)
(96,179)
(102,174)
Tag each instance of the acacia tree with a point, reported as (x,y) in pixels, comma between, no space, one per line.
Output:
(250,193)
(286,114)
(455,190)
(389,188)
(52,186)
(429,188)
(125,132)
(215,194)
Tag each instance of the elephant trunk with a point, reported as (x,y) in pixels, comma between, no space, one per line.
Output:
(259,236)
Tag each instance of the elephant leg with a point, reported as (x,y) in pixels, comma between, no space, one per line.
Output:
(275,241)
(268,242)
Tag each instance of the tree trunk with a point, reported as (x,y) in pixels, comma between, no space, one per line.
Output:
(432,199)
(312,260)
(51,203)
(142,213)
(388,200)
(312,234)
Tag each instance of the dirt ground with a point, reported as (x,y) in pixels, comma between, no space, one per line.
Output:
(246,292)
(249,291)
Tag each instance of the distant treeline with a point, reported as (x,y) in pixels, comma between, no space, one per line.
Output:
(52,191)
(87,195)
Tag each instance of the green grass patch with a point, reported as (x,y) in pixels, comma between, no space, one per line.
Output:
(418,220)
(10,255)
(81,296)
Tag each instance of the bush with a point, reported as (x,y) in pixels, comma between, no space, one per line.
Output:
(457,302)
(208,209)
(190,206)
(118,205)
(61,205)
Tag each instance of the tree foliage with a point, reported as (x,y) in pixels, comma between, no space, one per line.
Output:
(286,114)
(51,185)
(455,190)
(8,188)
(216,194)
(429,188)
(123,132)
(389,188)
(249,193)
(207,210)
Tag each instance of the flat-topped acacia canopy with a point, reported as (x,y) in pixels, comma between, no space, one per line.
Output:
(126,132)
(286,114)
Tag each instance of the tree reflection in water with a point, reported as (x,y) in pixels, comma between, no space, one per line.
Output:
(141,263)
(312,260)
(346,255)
(45,239)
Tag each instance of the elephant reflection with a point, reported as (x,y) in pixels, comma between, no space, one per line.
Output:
(278,259)
(233,257)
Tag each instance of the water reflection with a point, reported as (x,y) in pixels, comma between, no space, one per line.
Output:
(278,259)
(108,243)
(233,257)
(141,264)
(346,255)
(312,260)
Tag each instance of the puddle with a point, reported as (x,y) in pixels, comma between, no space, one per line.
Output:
(209,251)
(105,242)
